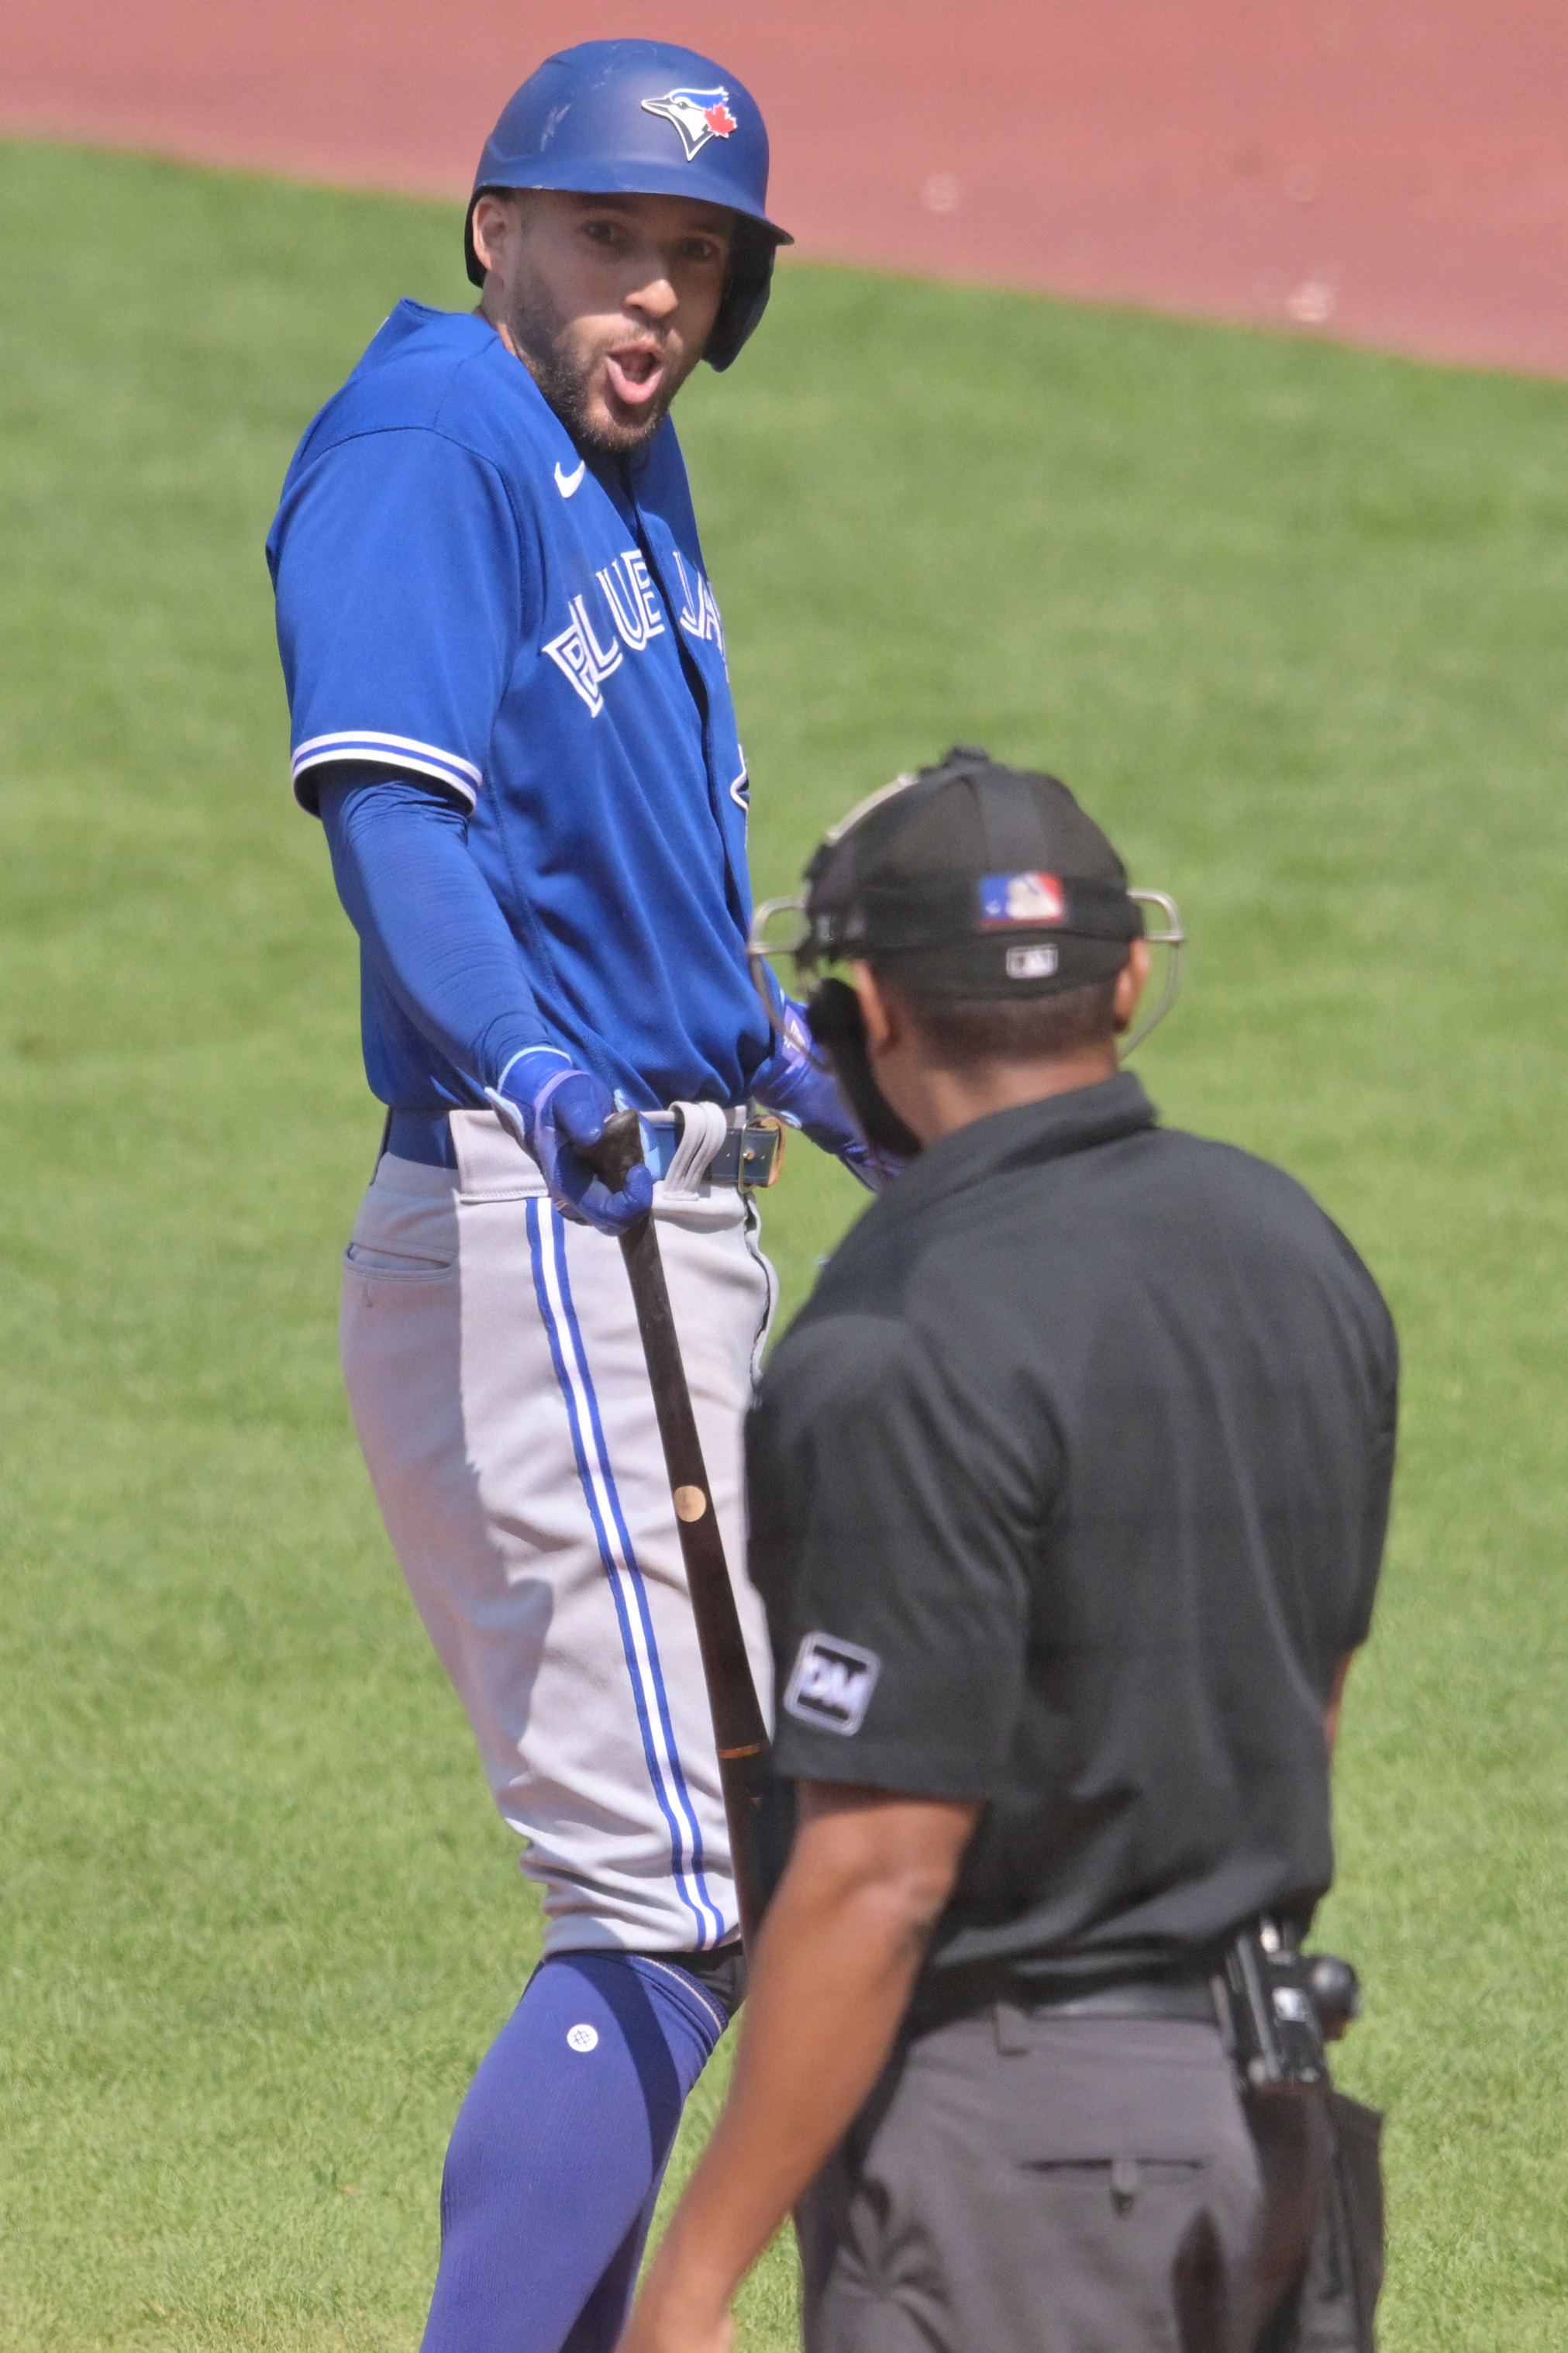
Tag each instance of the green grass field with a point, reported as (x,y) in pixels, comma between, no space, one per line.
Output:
(1291,620)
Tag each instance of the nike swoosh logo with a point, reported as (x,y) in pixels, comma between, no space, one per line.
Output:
(567,483)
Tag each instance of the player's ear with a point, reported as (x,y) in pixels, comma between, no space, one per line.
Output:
(497,224)
(1129,983)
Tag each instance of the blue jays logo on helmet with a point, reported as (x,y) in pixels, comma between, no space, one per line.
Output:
(698,115)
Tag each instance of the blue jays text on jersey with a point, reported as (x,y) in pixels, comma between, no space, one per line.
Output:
(461,597)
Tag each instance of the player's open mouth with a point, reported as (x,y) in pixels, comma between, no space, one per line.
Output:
(635,372)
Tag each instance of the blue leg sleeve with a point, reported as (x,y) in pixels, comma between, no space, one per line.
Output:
(557,2153)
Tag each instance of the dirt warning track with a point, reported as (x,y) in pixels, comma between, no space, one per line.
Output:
(1391,171)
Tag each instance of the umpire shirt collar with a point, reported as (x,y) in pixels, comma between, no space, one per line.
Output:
(1024,1137)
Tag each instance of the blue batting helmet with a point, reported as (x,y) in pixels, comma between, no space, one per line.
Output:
(644,118)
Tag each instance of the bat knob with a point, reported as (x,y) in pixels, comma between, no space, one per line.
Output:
(618,1151)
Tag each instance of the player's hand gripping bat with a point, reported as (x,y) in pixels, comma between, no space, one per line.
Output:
(739,1731)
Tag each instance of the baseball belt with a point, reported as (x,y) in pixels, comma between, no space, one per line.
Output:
(749,1155)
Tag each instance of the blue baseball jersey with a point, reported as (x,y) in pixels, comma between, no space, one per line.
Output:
(463,597)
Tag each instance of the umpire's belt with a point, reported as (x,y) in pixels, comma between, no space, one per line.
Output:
(1158,1998)
(1188,1997)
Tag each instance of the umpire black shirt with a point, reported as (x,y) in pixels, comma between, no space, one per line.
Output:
(1068,1490)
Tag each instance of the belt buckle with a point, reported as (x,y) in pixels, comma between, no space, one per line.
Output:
(754,1157)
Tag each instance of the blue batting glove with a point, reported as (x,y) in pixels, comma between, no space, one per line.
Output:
(557,1113)
(794,1084)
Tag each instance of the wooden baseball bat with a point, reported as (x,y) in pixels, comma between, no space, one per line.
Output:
(740,1732)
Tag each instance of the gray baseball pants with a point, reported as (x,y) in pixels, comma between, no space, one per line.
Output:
(1026,2184)
(501,1395)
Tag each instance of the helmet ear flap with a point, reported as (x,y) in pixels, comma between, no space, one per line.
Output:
(745,298)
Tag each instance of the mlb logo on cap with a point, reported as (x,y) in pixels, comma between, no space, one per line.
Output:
(1019,899)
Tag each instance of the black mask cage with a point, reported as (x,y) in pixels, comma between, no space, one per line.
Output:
(838,1029)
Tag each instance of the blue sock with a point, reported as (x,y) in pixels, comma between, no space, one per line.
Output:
(559,2151)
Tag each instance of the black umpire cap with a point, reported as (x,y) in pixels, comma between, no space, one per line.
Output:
(972,879)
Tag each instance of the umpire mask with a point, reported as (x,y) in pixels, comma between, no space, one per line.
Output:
(967,879)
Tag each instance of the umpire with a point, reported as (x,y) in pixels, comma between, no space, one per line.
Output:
(1068,1493)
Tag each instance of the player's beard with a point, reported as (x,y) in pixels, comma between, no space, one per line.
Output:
(541,335)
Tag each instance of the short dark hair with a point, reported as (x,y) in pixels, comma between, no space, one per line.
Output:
(964,1030)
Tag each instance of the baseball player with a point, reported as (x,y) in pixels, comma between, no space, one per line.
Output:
(511,712)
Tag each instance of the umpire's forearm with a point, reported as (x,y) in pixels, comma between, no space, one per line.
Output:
(830,1980)
(829,1985)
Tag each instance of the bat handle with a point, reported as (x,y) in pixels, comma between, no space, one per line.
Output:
(619,1150)
(740,1732)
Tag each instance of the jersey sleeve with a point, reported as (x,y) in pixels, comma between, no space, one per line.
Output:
(889,1537)
(399,582)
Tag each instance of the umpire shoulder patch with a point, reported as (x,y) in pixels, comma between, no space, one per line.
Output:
(831,1684)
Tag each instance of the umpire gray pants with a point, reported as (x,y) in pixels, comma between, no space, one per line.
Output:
(1027,2184)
